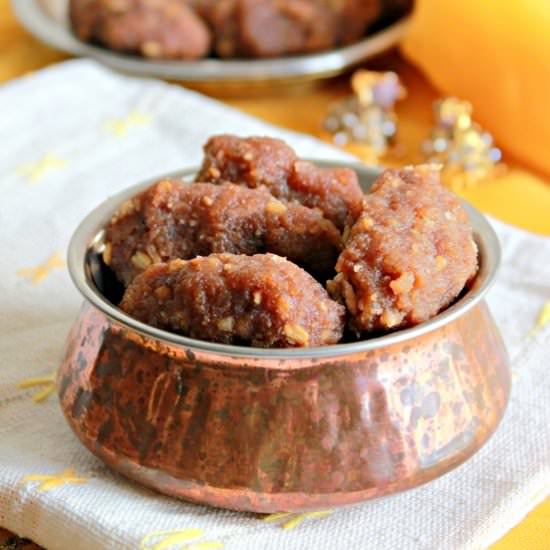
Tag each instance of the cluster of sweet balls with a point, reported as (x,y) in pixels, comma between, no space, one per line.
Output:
(240,255)
(193,29)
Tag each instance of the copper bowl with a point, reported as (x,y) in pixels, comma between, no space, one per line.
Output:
(288,429)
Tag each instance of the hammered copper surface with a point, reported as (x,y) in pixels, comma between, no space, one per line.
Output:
(269,434)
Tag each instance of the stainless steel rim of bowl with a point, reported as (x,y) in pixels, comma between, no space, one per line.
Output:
(32,15)
(90,232)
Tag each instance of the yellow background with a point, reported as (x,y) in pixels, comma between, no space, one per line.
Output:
(521,197)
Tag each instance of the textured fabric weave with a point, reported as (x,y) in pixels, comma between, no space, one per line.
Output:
(74,134)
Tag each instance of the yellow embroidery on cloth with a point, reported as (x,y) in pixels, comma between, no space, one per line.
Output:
(544,316)
(291,521)
(49,482)
(119,127)
(36,171)
(172,540)
(542,320)
(47,381)
(40,272)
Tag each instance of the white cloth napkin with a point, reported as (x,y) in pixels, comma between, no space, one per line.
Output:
(75,133)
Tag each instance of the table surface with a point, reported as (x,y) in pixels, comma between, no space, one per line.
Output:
(520,197)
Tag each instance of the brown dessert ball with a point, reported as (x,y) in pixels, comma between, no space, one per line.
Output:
(408,256)
(256,161)
(172,220)
(160,29)
(354,16)
(262,300)
(268,28)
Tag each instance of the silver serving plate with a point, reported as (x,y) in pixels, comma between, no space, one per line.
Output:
(47,20)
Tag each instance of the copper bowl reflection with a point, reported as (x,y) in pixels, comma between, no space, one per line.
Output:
(281,430)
